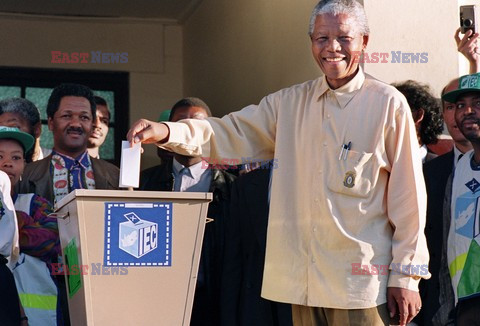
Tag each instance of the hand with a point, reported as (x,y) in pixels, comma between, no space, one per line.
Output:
(405,303)
(148,132)
(23,317)
(468,47)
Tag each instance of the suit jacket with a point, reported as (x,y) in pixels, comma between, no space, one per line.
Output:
(158,177)
(430,156)
(436,173)
(206,303)
(37,177)
(246,233)
(446,314)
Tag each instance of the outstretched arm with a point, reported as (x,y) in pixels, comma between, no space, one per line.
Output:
(247,133)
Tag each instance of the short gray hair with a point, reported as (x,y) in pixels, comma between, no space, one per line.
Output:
(23,107)
(335,7)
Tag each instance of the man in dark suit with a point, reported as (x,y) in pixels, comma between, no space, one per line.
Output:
(70,110)
(245,242)
(436,173)
(200,177)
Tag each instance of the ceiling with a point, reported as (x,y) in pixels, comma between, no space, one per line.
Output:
(174,10)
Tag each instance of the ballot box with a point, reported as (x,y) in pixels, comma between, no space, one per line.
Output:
(131,257)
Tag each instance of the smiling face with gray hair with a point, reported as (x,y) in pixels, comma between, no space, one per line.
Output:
(339,34)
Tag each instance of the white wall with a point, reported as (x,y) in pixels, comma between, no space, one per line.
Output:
(415,26)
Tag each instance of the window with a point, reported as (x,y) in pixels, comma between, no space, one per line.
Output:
(37,84)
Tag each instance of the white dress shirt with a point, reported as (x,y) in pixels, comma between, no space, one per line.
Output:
(195,178)
(423,152)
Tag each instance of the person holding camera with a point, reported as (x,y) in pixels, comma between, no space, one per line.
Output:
(467,45)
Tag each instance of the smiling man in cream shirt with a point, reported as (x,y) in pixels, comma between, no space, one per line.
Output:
(348,190)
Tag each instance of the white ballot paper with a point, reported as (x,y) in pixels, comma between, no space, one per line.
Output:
(130,165)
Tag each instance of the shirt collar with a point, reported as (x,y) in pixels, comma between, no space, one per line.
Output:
(456,155)
(423,152)
(196,170)
(345,93)
(82,159)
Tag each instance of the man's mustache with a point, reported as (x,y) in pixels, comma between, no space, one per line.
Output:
(75,129)
(470,120)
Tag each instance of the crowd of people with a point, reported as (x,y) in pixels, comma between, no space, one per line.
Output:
(354,216)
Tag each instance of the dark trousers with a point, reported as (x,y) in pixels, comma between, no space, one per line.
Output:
(317,316)
(9,301)
(468,312)
(63,315)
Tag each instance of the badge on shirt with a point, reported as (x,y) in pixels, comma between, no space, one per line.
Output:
(349,180)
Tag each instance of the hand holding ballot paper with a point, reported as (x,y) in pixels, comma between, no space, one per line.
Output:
(148,132)
(130,165)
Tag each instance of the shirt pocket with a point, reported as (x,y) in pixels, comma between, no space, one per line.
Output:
(352,176)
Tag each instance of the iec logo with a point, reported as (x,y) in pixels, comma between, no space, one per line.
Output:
(469,82)
(473,185)
(137,234)
(137,237)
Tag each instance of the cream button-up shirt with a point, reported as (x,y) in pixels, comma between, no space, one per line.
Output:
(331,211)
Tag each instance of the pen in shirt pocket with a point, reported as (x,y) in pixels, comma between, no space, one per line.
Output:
(349,146)
(344,149)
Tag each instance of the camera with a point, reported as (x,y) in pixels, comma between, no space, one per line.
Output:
(468,19)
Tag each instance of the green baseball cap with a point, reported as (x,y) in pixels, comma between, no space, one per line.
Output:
(164,116)
(26,140)
(466,84)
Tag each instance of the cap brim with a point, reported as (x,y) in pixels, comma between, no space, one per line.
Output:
(25,139)
(452,96)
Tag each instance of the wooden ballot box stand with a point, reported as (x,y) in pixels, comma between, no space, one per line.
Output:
(131,257)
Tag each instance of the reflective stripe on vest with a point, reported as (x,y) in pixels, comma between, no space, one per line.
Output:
(36,289)
(38,301)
